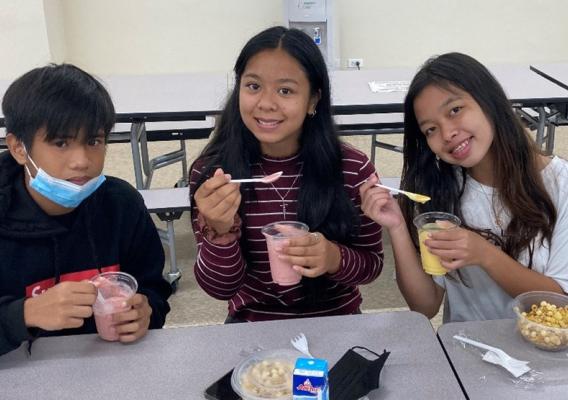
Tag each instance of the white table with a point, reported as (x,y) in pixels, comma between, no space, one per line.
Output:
(528,92)
(194,97)
(538,100)
(180,363)
(524,88)
(139,100)
(482,380)
(351,93)
(173,97)
(557,73)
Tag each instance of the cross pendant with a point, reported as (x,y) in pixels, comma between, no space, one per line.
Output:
(284,209)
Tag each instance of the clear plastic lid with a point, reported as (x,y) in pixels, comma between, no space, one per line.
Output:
(265,375)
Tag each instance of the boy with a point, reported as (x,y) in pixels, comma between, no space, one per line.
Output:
(61,222)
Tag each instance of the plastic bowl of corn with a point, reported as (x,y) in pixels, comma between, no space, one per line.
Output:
(266,374)
(542,319)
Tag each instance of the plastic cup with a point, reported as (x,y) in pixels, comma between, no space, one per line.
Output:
(113,289)
(275,233)
(547,332)
(433,222)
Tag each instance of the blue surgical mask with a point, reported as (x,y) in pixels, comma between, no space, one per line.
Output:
(60,191)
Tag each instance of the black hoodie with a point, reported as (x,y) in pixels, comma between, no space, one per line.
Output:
(110,230)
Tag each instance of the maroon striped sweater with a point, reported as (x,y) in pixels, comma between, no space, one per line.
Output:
(224,273)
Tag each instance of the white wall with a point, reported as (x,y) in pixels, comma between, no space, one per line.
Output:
(170,36)
(23,37)
(149,36)
(407,32)
(55,24)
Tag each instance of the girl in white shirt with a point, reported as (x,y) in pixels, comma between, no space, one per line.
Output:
(465,148)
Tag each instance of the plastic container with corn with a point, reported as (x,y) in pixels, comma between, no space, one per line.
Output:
(542,319)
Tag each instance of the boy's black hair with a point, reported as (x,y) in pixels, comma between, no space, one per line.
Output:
(63,99)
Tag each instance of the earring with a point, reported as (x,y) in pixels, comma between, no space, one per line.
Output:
(312,114)
(437,157)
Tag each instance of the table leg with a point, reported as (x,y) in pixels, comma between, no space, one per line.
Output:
(136,130)
(551,129)
(168,236)
(540,127)
(373,147)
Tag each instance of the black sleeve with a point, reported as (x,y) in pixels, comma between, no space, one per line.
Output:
(13,330)
(145,261)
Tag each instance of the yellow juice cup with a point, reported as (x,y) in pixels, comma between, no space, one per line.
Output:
(431,222)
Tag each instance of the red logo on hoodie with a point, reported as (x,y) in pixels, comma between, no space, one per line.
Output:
(38,288)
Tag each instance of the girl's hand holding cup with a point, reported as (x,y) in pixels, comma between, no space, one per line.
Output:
(133,323)
(459,247)
(312,255)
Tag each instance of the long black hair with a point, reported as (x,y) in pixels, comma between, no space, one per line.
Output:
(322,202)
(517,174)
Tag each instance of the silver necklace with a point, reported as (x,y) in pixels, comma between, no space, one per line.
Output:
(283,198)
(496,215)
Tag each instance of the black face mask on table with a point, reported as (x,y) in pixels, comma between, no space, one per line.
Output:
(354,375)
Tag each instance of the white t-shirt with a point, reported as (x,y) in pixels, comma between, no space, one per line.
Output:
(484,298)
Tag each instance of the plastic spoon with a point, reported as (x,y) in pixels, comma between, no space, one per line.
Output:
(419,198)
(100,299)
(265,179)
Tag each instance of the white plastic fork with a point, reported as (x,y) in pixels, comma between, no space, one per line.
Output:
(265,179)
(301,344)
(499,357)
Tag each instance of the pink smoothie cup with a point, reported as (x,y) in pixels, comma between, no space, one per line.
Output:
(113,289)
(275,233)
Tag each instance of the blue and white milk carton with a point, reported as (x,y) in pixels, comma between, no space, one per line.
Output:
(310,379)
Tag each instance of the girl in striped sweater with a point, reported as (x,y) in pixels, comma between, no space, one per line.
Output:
(278,118)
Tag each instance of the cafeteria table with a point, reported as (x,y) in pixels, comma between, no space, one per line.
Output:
(200,96)
(482,380)
(535,98)
(179,363)
(557,73)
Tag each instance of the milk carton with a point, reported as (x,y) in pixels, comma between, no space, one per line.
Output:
(310,379)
